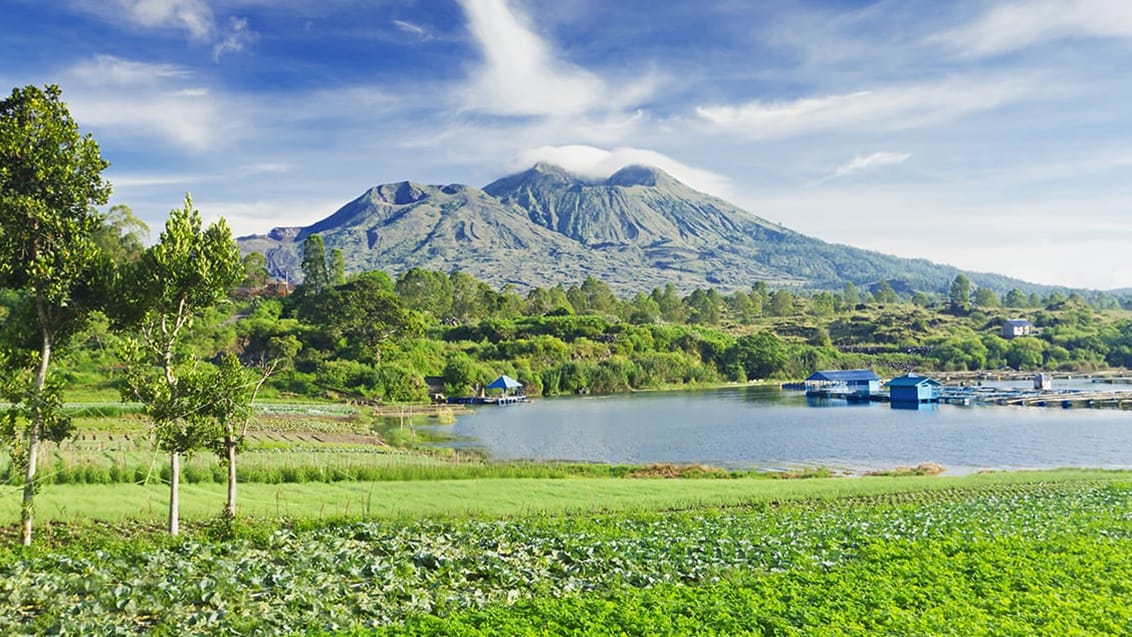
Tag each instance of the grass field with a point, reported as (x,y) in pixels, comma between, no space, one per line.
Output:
(414,499)
(1046,553)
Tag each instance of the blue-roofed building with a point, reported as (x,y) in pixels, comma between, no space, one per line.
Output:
(913,389)
(851,384)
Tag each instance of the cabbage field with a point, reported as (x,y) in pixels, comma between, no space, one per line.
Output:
(1009,558)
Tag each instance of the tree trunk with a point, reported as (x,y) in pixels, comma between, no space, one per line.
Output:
(35,428)
(230,509)
(174,493)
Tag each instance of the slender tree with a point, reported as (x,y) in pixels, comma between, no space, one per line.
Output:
(316,276)
(337,267)
(50,177)
(228,396)
(189,270)
(959,295)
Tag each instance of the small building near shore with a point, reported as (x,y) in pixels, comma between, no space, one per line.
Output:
(1017,327)
(506,384)
(913,389)
(847,383)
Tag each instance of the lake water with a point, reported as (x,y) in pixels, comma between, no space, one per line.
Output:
(763,427)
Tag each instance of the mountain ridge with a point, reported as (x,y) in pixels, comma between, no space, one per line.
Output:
(637,229)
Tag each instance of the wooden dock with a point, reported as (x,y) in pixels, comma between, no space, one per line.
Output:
(1120,398)
(486,400)
(846,395)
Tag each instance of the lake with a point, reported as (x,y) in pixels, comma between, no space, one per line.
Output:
(765,428)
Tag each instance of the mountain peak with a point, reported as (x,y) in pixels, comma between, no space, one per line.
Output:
(639,175)
(541,175)
(399,193)
(547,168)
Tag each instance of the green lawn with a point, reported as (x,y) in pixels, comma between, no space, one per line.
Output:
(484,497)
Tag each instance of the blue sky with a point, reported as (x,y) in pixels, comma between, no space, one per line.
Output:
(990,135)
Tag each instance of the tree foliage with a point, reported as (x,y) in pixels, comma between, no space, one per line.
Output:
(316,274)
(189,270)
(50,179)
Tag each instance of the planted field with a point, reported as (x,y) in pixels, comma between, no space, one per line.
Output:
(1011,555)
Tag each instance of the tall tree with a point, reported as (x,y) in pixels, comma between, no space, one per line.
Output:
(337,267)
(256,276)
(1016,298)
(851,296)
(362,313)
(467,296)
(783,303)
(229,393)
(122,235)
(426,291)
(316,276)
(959,296)
(672,309)
(188,270)
(986,298)
(50,177)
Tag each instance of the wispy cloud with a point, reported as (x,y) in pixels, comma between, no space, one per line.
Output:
(887,108)
(195,17)
(143,99)
(599,163)
(866,162)
(1018,25)
(521,74)
(235,38)
(414,29)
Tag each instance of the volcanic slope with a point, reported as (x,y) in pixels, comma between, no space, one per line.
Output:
(636,230)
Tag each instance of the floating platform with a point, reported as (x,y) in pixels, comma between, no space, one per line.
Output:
(846,395)
(1036,398)
(486,400)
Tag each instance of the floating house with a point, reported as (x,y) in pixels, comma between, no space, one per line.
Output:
(1017,327)
(506,384)
(913,389)
(850,384)
(509,393)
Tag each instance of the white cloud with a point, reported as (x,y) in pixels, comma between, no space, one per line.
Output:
(195,17)
(142,99)
(599,163)
(521,74)
(409,27)
(107,69)
(874,160)
(237,37)
(261,215)
(1017,25)
(887,108)
(134,181)
(970,229)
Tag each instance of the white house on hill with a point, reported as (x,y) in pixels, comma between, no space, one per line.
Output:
(1017,327)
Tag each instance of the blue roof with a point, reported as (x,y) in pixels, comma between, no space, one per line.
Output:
(912,380)
(504,382)
(1018,322)
(844,375)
